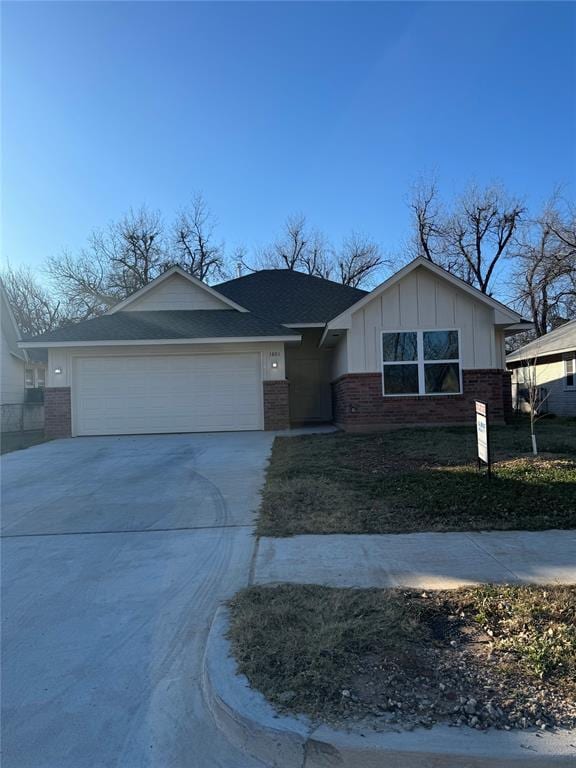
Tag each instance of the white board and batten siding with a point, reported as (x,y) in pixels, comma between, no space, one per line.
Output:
(422,301)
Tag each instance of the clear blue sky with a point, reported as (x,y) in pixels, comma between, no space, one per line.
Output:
(331,109)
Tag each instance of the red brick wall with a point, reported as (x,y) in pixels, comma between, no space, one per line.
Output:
(360,405)
(276,404)
(57,412)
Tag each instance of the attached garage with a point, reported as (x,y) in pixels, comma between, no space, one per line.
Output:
(166,393)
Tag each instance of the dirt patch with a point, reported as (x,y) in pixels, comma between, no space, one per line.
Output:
(489,657)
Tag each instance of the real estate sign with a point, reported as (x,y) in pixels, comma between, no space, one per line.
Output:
(482,433)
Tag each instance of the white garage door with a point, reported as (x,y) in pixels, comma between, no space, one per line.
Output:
(140,395)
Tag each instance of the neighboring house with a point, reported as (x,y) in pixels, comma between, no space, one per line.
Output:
(19,370)
(552,360)
(276,348)
(13,359)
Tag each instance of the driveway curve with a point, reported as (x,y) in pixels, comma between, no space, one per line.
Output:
(116,553)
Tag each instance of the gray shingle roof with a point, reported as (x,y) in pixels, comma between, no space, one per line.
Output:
(290,297)
(167,324)
(561,339)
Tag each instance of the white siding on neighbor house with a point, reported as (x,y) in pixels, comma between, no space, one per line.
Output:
(11,376)
(11,360)
(423,301)
(561,400)
(63,357)
(176,293)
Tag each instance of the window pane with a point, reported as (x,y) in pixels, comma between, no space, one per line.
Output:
(29,377)
(442,377)
(401,379)
(40,377)
(440,345)
(399,346)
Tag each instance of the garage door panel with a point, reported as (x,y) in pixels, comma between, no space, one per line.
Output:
(147,394)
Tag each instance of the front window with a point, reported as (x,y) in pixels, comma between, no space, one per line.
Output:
(421,363)
(40,377)
(570,371)
(29,378)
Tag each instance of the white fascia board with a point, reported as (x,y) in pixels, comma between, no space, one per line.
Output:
(157,342)
(304,325)
(519,356)
(165,276)
(509,330)
(508,314)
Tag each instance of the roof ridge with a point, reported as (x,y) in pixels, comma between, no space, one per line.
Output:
(287,270)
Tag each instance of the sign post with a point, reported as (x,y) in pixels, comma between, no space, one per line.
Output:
(482,436)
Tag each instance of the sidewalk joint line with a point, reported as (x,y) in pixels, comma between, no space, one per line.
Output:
(485,551)
(128,530)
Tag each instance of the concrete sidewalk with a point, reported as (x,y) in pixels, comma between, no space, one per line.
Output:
(419,560)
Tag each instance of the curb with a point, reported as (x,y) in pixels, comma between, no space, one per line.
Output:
(243,715)
(250,722)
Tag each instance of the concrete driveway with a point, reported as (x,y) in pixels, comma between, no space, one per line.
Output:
(116,553)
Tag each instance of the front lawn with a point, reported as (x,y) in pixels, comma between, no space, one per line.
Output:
(420,480)
(489,656)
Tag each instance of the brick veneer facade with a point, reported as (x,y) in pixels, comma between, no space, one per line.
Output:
(276,404)
(360,406)
(57,412)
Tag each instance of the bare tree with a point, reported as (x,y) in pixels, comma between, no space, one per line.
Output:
(193,246)
(289,250)
(428,221)
(304,250)
(473,237)
(139,250)
(35,309)
(117,261)
(358,260)
(545,273)
(317,257)
(480,232)
(563,223)
(535,396)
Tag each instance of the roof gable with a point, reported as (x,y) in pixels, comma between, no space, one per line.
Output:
(175,289)
(504,314)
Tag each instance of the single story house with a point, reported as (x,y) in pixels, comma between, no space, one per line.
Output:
(277,348)
(549,362)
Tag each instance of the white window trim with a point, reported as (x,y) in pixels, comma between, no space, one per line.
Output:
(570,356)
(421,362)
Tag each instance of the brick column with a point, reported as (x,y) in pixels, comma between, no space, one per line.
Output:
(57,412)
(276,404)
